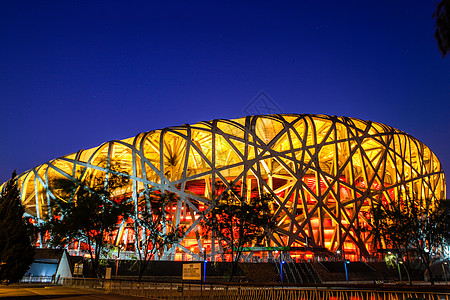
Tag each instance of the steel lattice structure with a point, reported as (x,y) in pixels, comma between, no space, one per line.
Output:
(324,172)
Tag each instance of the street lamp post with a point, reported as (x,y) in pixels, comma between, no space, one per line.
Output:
(443,270)
(281,268)
(393,259)
(119,247)
(399,272)
(346,262)
(204,263)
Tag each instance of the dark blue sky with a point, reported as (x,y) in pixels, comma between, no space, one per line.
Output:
(74,74)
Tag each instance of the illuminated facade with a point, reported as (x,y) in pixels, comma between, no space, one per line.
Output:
(324,172)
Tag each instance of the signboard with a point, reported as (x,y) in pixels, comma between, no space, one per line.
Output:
(192,271)
(108,273)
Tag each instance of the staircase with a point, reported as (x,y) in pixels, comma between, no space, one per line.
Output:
(311,273)
(298,273)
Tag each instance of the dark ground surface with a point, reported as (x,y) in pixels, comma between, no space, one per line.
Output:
(35,292)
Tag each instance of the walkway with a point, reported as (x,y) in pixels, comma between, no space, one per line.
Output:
(32,292)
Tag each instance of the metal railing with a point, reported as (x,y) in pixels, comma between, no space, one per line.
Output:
(37,279)
(160,290)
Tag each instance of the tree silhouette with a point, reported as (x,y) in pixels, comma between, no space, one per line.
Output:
(415,228)
(442,26)
(237,223)
(87,210)
(16,249)
(159,231)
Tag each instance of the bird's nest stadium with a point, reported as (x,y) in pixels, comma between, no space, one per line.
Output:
(324,173)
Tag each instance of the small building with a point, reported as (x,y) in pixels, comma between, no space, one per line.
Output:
(49,266)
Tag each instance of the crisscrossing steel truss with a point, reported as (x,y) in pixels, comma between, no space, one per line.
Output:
(324,172)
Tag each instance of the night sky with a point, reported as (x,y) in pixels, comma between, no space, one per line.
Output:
(75,74)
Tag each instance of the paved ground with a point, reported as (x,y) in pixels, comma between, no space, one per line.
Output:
(26,292)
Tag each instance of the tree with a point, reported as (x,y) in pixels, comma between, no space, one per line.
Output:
(16,248)
(87,210)
(418,229)
(390,231)
(238,223)
(158,231)
(442,26)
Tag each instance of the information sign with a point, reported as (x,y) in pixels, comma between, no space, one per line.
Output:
(192,271)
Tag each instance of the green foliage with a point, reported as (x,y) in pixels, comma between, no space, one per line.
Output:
(418,229)
(160,232)
(236,222)
(391,260)
(88,211)
(16,249)
(442,26)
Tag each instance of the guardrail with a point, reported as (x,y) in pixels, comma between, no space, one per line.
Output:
(159,290)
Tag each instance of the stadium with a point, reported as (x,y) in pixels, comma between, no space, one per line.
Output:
(325,173)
